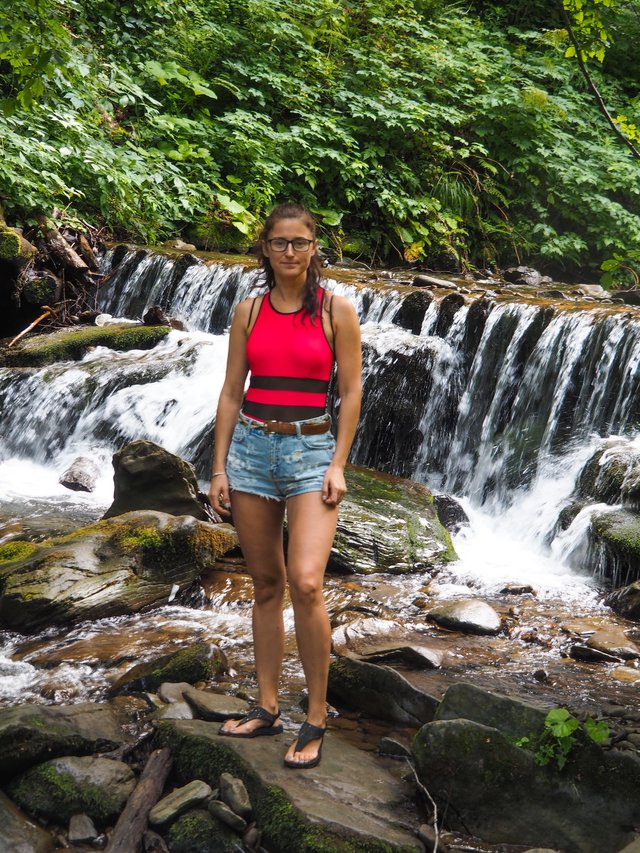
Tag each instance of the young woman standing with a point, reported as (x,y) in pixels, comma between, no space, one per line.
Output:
(274,452)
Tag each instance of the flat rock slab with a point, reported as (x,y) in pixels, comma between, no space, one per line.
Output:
(350,797)
(18,833)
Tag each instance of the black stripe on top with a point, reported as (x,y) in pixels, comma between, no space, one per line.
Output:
(289,383)
(268,412)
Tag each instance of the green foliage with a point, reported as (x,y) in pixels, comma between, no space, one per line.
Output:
(561,734)
(413,129)
(621,270)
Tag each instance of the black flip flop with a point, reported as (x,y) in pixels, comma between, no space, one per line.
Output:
(257,713)
(307,733)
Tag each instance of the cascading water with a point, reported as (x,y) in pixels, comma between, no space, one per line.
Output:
(499,403)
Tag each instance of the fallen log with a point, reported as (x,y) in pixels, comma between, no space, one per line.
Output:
(14,248)
(132,823)
(59,247)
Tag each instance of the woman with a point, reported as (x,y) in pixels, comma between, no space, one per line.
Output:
(274,452)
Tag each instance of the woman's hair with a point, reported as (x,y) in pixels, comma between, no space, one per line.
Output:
(292,211)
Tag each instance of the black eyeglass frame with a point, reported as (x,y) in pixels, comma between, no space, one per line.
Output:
(291,243)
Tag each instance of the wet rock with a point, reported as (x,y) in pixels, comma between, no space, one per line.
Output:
(581,652)
(493,789)
(81,829)
(146,476)
(200,661)
(18,833)
(602,477)
(29,734)
(412,310)
(234,794)
(615,540)
(350,801)
(522,275)
(179,801)
(517,589)
(109,568)
(449,307)
(215,706)
(378,691)
(387,524)
(450,512)
(81,476)
(60,788)
(423,280)
(173,711)
(153,843)
(72,344)
(199,830)
(172,691)
(512,716)
(626,601)
(629,297)
(613,641)
(470,616)
(382,639)
(155,316)
(225,813)
(595,290)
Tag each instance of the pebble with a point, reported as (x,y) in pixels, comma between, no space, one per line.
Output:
(226,815)
(178,801)
(234,794)
(81,829)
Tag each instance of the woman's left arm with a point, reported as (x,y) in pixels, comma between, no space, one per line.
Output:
(348,354)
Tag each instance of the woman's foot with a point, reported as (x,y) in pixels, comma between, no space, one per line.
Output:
(306,751)
(257,723)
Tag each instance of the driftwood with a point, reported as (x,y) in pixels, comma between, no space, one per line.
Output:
(59,247)
(48,313)
(14,248)
(132,823)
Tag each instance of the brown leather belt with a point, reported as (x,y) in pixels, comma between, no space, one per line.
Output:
(287,428)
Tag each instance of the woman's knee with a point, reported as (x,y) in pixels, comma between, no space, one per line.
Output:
(268,589)
(306,590)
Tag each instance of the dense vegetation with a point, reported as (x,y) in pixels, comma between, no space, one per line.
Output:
(418,129)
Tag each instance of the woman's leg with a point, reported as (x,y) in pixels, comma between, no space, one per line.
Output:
(259,525)
(311,527)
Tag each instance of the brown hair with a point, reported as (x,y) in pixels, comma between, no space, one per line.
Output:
(292,211)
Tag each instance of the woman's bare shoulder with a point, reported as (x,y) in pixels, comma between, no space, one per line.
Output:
(342,308)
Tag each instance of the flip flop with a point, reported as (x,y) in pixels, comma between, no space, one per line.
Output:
(257,713)
(307,733)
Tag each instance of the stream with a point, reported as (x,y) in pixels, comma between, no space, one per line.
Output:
(501,414)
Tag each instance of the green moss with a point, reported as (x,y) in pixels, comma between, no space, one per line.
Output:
(9,244)
(284,827)
(197,662)
(621,530)
(71,344)
(17,550)
(51,794)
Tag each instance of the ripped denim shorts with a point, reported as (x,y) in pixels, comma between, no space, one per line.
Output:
(277,466)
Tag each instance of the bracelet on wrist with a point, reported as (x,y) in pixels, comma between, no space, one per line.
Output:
(217,473)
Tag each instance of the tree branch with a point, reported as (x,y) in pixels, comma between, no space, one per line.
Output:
(592,86)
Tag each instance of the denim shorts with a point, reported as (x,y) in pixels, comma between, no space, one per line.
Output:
(277,466)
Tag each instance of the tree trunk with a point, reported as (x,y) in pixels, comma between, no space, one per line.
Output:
(132,823)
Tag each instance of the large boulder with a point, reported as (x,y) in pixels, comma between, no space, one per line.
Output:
(388,524)
(59,788)
(199,661)
(30,734)
(496,791)
(615,543)
(146,476)
(109,568)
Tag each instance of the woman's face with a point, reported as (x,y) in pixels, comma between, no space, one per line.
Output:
(291,263)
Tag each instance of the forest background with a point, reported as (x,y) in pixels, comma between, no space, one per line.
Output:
(453,135)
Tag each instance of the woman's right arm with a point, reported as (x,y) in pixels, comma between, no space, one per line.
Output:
(229,406)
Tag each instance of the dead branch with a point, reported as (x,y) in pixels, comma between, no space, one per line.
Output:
(48,313)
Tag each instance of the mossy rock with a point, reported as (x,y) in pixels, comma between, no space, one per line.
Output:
(339,821)
(198,662)
(602,477)
(72,344)
(388,524)
(197,831)
(615,537)
(108,568)
(58,789)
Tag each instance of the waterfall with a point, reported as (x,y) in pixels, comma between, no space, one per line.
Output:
(496,401)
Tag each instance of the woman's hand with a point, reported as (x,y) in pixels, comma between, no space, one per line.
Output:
(219,494)
(334,487)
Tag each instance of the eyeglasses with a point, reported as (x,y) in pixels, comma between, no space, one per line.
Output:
(279,244)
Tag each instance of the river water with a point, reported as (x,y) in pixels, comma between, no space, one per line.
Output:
(501,414)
